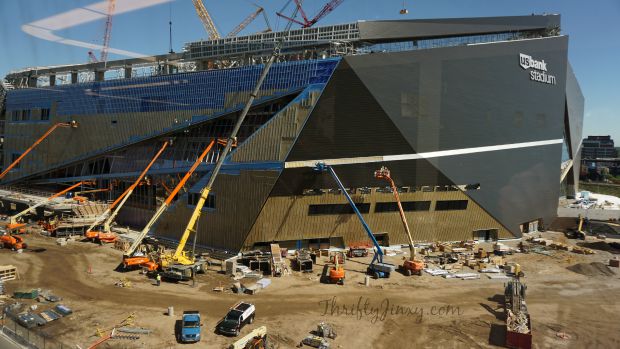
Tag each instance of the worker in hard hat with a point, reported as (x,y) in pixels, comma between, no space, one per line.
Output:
(158,278)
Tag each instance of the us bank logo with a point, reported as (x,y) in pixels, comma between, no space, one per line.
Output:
(538,69)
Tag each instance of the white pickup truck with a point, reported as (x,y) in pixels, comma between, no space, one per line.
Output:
(239,315)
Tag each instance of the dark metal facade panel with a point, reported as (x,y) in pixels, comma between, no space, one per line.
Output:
(429,28)
(346,122)
(471,96)
(574,109)
(516,186)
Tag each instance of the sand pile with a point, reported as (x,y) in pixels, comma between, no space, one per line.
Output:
(592,269)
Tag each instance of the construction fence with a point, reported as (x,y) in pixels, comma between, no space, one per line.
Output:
(29,338)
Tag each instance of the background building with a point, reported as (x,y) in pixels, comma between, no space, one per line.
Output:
(596,147)
(479,120)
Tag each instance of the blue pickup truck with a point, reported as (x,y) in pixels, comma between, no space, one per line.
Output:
(190,327)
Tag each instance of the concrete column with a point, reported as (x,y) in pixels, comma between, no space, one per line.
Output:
(74,77)
(52,80)
(99,75)
(32,81)
(128,72)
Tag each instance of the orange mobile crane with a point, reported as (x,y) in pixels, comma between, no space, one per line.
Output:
(411,266)
(106,235)
(14,220)
(129,260)
(72,124)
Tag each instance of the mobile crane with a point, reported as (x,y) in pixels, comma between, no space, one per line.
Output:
(15,220)
(129,259)
(178,264)
(377,267)
(72,124)
(106,235)
(411,266)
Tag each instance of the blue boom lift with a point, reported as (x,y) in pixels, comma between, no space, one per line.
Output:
(377,267)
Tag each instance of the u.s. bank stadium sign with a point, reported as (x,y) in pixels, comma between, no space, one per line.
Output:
(538,70)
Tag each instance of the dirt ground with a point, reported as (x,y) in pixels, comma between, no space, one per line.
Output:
(399,312)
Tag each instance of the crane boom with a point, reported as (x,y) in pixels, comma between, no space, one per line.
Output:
(204,193)
(108,31)
(245,22)
(329,7)
(39,140)
(166,203)
(126,193)
(321,167)
(13,219)
(384,173)
(206,20)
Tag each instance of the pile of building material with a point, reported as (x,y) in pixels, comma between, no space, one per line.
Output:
(561,246)
(8,272)
(303,261)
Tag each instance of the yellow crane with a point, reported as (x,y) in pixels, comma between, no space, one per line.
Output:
(206,20)
(209,24)
(174,265)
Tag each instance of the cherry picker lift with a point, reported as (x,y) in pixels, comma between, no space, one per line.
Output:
(412,265)
(15,221)
(72,124)
(106,235)
(131,258)
(377,267)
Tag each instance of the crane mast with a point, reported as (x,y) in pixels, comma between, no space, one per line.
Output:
(246,22)
(108,31)
(204,193)
(166,203)
(206,20)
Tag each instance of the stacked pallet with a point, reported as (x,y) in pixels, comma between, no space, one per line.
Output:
(8,272)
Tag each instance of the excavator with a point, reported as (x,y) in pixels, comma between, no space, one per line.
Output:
(106,235)
(72,124)
(412,265)
(130,258)
(15,221)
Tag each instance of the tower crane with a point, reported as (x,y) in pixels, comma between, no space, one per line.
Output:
(72,124)
(247,21)
(411,266)
(106,235)
(206,20)
(108,31)
(329,7)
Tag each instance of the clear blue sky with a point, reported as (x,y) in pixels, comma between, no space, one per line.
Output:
(593,27)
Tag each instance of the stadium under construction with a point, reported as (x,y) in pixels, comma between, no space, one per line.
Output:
(478,119)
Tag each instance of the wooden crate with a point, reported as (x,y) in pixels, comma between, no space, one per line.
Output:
(8,272)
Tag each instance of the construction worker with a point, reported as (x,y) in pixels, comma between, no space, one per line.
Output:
(158,278)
